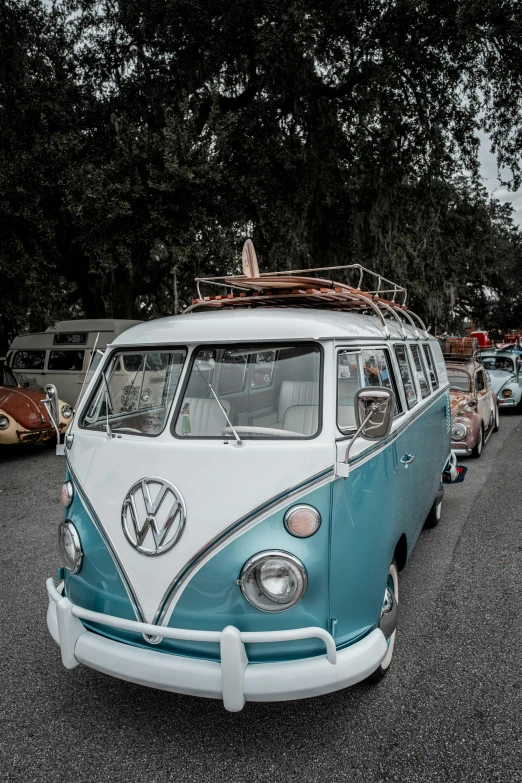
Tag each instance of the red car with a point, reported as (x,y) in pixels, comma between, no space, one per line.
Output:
(474,407)
(23,416)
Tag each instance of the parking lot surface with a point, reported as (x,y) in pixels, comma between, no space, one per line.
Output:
(450,708)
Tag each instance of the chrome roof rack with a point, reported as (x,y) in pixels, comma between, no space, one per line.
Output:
(371,293)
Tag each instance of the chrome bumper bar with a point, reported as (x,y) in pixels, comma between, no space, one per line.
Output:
(233,678)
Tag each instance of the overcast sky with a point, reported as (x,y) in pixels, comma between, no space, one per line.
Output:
(488,167)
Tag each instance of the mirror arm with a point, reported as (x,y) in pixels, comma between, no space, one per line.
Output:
(373,409)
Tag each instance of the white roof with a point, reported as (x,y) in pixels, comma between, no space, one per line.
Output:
(258,324)
(93,325)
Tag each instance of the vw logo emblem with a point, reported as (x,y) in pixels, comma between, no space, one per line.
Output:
(153,515)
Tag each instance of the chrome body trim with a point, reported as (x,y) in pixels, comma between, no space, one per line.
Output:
(129,587)
(408,417)
(245,522)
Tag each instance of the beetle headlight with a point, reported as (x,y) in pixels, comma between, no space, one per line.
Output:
(145,395)
(67,411)
(273,581)
(69,546)
(4,422)
(507,393)
(458,431)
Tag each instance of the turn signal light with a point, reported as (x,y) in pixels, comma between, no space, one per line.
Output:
(302,521)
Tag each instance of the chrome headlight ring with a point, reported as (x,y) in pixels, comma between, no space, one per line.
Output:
(273,581)
(4,421)
(458,431)
(69,546)
(66,411)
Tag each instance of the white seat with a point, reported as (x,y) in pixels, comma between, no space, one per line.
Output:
(291,393)
(206,417)
(302,418)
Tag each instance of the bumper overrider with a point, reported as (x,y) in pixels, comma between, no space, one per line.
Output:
(232,679)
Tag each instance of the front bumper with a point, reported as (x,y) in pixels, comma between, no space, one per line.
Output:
(507,401)
(233,679)
(459,448)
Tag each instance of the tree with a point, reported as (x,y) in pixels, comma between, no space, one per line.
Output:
(166,131)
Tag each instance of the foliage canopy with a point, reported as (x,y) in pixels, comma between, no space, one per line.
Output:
(142,140)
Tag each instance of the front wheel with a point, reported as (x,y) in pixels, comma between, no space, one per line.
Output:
(393,585)
(477,451)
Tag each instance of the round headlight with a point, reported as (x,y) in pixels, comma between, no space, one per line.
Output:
(507,393)
(67,411)
(67,494)
(458,431)
(4,422)
(145,395)
(69,546)
(273,581)
(302,521)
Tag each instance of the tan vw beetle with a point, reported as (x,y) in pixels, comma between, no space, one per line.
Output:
(23,416)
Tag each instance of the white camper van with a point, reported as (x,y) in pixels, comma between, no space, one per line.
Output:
(62,354)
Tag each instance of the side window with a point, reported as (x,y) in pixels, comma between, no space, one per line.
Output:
(420,371)
(431,367)
(377,371)
(355,370)
(71,338)
(406,375)
(65,360)
(263,369)
(479,380)
(233,372)
(28,360)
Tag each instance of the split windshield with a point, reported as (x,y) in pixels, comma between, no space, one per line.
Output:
(459,379)
(135,391)
(498,363)
(251,391)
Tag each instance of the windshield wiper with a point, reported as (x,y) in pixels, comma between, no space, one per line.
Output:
(225,414)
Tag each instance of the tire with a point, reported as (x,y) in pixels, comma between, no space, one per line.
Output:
(434,517)
(496,424)
(477,451)
(384,667)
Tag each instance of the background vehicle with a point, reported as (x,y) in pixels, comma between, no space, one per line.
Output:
(474,409)
(23,416)
(61,355)
(505,371)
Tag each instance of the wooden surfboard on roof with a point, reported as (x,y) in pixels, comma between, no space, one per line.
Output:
(300,288)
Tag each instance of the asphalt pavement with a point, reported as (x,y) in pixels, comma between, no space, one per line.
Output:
(449,709)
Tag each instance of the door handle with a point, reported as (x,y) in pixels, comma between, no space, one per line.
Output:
(407,460)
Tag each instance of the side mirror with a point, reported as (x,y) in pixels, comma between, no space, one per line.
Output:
(373,409)
(51,403)
(374,412)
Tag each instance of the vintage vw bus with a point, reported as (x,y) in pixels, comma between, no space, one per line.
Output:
(239,534)
(62,354)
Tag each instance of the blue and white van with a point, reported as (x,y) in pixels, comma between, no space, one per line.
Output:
(235,528)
